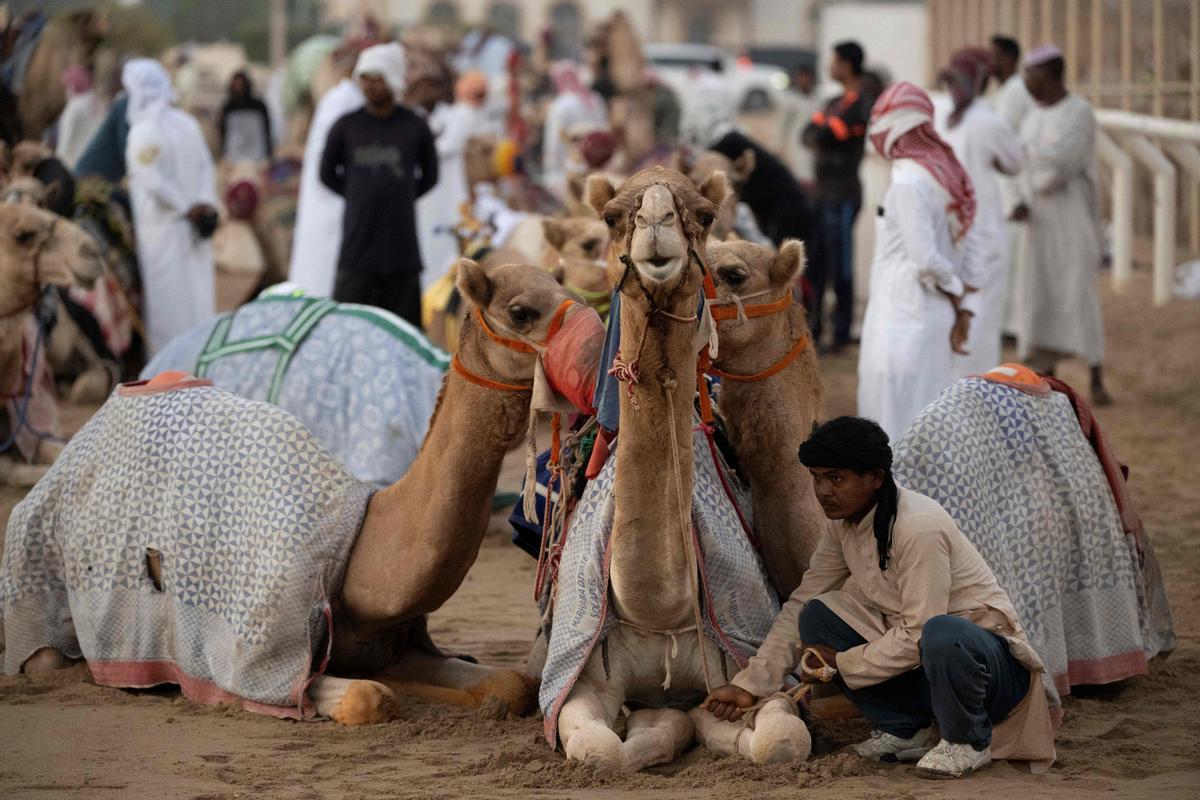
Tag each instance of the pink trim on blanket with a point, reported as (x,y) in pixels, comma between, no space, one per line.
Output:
(1101,670)
(143,388)
(144,674)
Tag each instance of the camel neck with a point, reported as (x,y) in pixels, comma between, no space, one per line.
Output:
(422,534)
(651,536)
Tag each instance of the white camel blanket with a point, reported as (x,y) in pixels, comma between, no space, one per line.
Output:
(739,604)
(364,381)
(253,521)
(1024,485)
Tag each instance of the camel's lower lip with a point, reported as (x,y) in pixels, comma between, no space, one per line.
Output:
(659,268)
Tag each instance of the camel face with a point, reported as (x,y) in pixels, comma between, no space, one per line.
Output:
(658,219)
(25,190)
(62,252)
(743,269)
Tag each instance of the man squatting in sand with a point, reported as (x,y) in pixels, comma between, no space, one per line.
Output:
(912,617)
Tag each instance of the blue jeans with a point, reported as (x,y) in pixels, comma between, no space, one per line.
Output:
(968,680)
(831,259)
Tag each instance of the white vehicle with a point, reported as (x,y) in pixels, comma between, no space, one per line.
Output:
(755,86)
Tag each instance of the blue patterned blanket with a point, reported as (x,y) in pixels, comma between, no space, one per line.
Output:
(250,517)
(363,380)
(1016,473)
(739,604)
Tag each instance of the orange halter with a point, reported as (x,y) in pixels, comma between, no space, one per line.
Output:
(760,310)
(519,346)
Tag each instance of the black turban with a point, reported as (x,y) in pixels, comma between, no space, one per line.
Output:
(858,444)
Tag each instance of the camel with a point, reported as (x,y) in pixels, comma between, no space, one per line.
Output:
(659,222)
(420,536)
(68,40)
(770,396)
(37,249)
(575,246)
(699,167)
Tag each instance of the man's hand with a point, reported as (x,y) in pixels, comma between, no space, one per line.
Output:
(728,702)
(1019,214)
(196,212)
(827,653)
(960,332)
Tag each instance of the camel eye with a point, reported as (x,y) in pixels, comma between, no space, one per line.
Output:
(26,237)
(734,278)
(590,245)
(706,219)
(610,221)
(520,315)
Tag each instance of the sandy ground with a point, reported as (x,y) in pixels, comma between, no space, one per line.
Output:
(63,736)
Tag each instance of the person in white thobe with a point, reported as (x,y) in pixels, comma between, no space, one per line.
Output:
(928,261)
(988,149)
(1058,297)
(453,125)
(575,110)
(317,240)
(81,116)
(172,186)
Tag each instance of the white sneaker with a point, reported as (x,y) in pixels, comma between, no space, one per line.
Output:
(886,747)
(949,760)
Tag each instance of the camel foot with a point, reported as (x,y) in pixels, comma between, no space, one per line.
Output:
(655,736)
(515,690)
(598,746)
(353,702)
(778,735)
(46,659)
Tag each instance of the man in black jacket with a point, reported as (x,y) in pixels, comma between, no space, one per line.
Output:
(245,123)
(837,135)
(380,158)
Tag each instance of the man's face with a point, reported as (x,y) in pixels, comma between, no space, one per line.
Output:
(1000,62)
(375,89)
(804,81)
(838,69)
(424,92)
(844,493)
(1037,81)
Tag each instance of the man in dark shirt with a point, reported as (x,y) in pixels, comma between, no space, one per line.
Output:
(245,123)
(380,158)
(837,135)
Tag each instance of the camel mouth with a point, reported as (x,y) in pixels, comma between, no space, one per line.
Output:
(660,268)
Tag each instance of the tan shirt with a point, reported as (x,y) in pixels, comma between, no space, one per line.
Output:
(933,570)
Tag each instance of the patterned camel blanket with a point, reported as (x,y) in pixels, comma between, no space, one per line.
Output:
(252,521)
(364,381)
(739,604)
(1015,472)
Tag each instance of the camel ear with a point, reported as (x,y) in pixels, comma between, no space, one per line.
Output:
(599,191)
(576,185)
(680,162)
(553,233)
(788,263)
(473,283)
(715,188)
(743,166)
(559,272)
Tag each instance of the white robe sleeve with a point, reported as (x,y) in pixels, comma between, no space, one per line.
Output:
(143,161)
(918,230)
(1057,160)
(1005,148)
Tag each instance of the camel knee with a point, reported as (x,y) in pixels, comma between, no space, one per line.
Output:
(596,745)
(656,736)
(353,702)
(516,690)
(45,659)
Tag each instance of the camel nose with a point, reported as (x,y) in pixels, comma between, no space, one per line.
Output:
(657,209)
(655,218)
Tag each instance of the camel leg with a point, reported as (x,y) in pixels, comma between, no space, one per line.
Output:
(778,735)
(536,661)
(20,475)
(352,702)
(585,725)
(92,386)
(440,679)
(45,659)
(655,736)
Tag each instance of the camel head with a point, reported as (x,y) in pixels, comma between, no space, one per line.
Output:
(517,303)
(659,222)
(26,190)
(700,168)
(574,254)
(40,248)
(760,276)
(26,156)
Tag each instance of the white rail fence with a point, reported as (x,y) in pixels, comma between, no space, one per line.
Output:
(1158,145)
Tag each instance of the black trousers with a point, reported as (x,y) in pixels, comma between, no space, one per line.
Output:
(398,292)
(967,680)
(831,260)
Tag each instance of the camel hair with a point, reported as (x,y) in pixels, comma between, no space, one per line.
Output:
(659,222)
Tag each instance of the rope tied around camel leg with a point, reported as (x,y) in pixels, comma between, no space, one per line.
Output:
(823,671)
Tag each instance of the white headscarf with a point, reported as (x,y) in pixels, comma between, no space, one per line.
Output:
(387,60)
(149,88)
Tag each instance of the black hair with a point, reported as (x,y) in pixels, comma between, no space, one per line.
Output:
(859,444)
(1008,46)
(852,53)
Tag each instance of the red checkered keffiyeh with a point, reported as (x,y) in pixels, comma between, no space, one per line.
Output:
(902,127)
